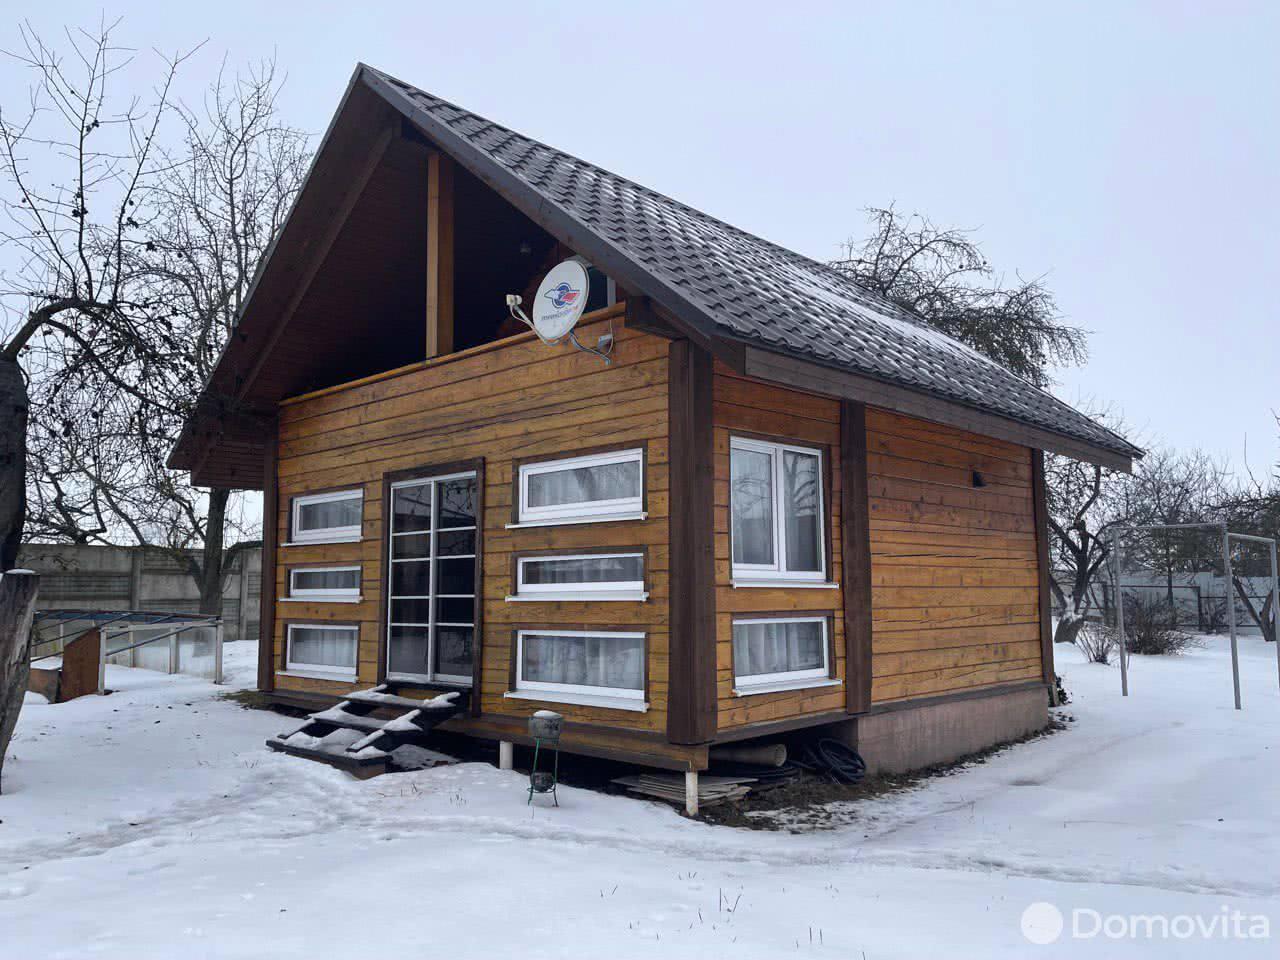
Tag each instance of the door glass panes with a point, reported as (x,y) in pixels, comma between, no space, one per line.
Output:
(432,582)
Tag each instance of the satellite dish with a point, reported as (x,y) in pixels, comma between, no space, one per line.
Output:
(560,300)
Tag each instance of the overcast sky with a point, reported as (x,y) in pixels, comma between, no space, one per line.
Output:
(1128,152)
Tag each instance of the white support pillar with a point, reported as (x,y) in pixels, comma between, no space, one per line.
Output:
(506,755)
(217,651)
(1231,612)
(691,792)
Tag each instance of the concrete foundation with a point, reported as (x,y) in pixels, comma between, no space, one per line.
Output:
(941,730)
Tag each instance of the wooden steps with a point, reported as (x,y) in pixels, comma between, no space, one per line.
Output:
(348,735)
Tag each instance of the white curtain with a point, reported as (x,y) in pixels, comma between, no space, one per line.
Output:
(752,481)
(763,647)
(586,570)
(616,662)
(609,481)
(323,646)
(801,480)
(330,513)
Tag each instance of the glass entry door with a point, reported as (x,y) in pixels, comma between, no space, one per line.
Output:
(431,584)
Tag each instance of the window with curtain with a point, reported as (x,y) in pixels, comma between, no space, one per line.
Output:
(594,575)
(323,650)
(777,514)
(779,650)
(324,583)
(582,488)
(581,662)
(327,517)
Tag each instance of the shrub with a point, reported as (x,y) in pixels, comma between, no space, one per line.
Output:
(1097,641)
(1151,627)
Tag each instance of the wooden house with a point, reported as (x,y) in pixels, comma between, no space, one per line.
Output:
(782,504)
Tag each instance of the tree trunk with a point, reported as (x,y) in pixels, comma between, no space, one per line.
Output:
(211,562)
(13,461)
(17,606)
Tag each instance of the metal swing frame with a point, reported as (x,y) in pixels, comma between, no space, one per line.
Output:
(1227,537)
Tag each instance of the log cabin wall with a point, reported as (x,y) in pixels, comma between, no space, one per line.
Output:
(751,409)
(954,567)
(507,402)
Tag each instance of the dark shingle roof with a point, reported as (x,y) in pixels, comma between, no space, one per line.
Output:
(756,291)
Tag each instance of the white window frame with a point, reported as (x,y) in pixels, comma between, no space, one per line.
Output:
(611,590)
(747,573)
(790,679)
(620,697)
(320,671)
(432,557)
(622,508)
(348,594)
(325,534)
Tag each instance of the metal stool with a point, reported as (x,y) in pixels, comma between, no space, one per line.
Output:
(544,727)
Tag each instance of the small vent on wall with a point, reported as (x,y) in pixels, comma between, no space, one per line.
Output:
(978,480)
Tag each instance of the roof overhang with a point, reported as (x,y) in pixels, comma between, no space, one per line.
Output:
(233,411)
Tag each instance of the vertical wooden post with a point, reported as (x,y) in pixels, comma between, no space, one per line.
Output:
(691,712)
(855,541)
(439,255)
(1040,506)
(267,581)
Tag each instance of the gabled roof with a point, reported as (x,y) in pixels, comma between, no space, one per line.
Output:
(744,287)
(737,294)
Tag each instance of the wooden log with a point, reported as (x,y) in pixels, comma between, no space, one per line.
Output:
(18,590)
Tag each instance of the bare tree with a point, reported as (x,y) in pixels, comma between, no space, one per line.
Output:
(79,170)
(1253,507)
(941,276)
(1172,488)
(100,475)
(1084,502)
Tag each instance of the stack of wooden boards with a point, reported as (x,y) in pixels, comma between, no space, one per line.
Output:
(670,786)
(351,737)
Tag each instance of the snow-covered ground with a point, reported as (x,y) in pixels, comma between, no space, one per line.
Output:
(154,823)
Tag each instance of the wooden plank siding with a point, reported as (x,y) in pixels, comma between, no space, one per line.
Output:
(954,568)
(746,408)
(506,403)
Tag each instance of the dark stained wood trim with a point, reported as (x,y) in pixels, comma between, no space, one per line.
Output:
(1040,505)
(439,255)
(270,538)
(820,378)
(855,541)
(641,316)
(770,728)
(691,707)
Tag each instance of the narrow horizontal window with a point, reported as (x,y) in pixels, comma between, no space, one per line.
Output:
(579,574)
(327,517)
(582,488)
(779,650)
(324,583)
(602,664)
(323,650)
(778,523)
